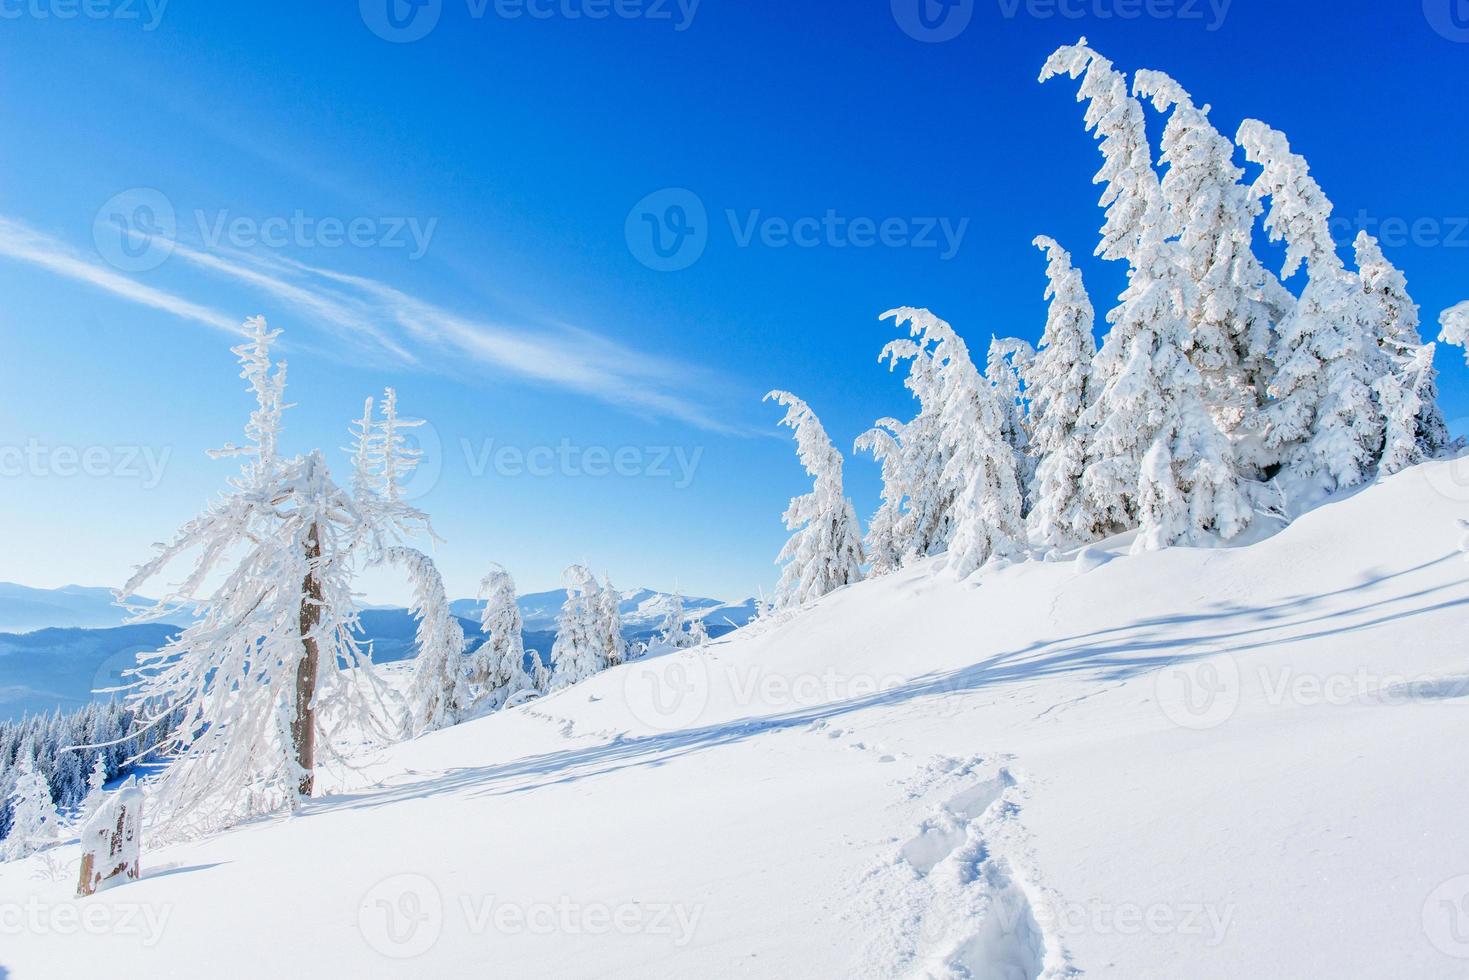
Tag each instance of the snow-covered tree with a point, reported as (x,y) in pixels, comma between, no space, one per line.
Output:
(698,632)
(672,632)
(439,695)
(825,550)
(925,520)
(1236,300)
(986,510)
(271,662)
(609,623)
(1321,419)
(95,788)
(1008,358)
(1454,327)
(1406,360)
(33,820)
(498,669)
(885,543)
(578,652)
(1157,456)
(1060,387)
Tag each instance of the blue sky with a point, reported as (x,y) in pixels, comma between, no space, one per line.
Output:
(494,174)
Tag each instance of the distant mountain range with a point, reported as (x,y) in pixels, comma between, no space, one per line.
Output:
(57,646)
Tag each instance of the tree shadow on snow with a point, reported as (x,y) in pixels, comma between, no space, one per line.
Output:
(1107,655)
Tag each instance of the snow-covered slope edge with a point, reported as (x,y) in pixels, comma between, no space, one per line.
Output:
(1242,762)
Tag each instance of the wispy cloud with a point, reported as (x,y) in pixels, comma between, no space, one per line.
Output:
(24,243)
(376,318)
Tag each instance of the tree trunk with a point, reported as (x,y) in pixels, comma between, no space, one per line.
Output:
(303,724)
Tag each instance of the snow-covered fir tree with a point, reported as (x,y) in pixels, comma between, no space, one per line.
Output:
(34,820)
(609,623)
(96,782)
(1158,458)
(1322,419)
(698,632)
(1059,384)
(885,543)
(1008,358)
(1406,376)
(970,427)
(1236,300)
(1454,327)
(498,672)
(248,695)
(925,520)
(578,652)
(825,548)
(671,633)
(439,694)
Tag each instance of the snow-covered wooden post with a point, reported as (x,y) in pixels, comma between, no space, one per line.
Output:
(112,841)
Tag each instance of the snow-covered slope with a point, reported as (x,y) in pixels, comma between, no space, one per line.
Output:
(1231,763)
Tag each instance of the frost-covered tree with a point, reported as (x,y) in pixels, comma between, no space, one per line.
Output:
(578,652)
(672,632)
(1060,387)
(1454,327)
(1236,300)
(1406,360)
(439,694)
(825,550)
(698,632)
(95,788)
(925,522)
(1158,459)
(1008,358)
(609,623)
(886,543)
(1322,419)
(970,428)
(249,694)
(498,666)
(33,821)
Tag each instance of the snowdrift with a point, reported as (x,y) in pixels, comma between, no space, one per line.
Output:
(1193,763)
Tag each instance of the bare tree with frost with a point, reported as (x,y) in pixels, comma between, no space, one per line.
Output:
(825,550)
(970,429)
(249,695)
(1322,419)
(498,665)
(1059,380)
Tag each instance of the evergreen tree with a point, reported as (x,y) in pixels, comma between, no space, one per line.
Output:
(885,543)
(969,419)
(609,623)
(439,694)
(34,820)
(578,652)
(825,550)
(499,663)
(1060,387)
(672,632)
(1322,419)
(1007,359)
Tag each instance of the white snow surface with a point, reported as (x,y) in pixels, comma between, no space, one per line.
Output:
(1239,762)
